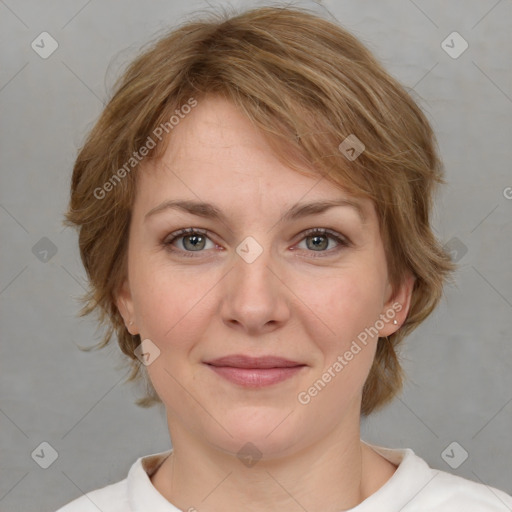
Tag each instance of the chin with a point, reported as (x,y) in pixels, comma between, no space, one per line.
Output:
(261,431)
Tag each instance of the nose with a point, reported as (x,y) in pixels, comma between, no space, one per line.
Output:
(255,299)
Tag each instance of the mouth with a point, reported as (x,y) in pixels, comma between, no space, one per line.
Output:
(255,372)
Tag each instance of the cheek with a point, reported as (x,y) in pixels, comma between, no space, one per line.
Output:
(345,305)
(172,312)
(348,307)
(169,305)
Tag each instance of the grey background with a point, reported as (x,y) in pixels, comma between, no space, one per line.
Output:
(458,362)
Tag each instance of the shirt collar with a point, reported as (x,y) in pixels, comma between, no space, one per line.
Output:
(411,476)
(142,495)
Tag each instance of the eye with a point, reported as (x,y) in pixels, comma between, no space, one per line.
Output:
(188,240)
(195,240)
(318,240)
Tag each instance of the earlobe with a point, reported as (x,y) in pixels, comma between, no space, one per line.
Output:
(397,306)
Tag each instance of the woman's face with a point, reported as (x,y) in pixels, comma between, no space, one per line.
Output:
(254,282)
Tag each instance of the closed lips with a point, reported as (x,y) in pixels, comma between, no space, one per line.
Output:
(248,362)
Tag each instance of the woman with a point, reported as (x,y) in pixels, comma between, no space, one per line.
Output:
(253,210)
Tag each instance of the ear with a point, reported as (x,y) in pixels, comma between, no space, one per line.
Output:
(397,305)
(124,303)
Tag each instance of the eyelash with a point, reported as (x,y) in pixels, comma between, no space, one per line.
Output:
(342,241)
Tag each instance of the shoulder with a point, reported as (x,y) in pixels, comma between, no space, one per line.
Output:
(416,487)
(447,492)
(111,498)
(135,492)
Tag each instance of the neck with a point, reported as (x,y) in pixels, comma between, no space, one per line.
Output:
(338,472)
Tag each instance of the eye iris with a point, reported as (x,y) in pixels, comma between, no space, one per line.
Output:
(196,240)
(319,242)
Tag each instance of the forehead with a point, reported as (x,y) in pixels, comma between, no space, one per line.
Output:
(215,154)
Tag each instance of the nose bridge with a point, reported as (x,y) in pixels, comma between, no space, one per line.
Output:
(255,297)
(252,270)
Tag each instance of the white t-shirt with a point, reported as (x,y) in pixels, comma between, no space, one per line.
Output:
(414,487)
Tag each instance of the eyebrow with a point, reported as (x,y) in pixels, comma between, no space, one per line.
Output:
(297,211)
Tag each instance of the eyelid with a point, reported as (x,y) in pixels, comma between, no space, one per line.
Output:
(325,231)
(171,237)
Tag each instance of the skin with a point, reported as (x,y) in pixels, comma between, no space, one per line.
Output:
(294,300)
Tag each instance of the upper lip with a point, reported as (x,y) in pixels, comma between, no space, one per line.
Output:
(243,361)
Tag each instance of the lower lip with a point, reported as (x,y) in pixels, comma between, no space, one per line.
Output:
(256,377)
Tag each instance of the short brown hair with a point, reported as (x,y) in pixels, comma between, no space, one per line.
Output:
(308,84)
